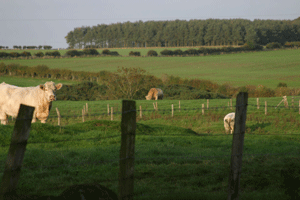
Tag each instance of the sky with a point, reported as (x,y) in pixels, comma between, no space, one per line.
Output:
(47,22)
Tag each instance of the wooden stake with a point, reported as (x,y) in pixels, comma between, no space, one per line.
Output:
(126,163)
(237,146)
(16,150)
(257,103)
(202,109)
(58,116)
(266,108)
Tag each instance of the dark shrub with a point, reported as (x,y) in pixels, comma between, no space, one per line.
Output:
(4,54)
(39,54)
(282,85)
(106,52)
(73,53)
(25,54)
(136,53)
(14,54)
(252,46)
(114,53)
(166,52)
(273,45)
(52,53)
(152,53)
(177,52)
(191,52)
(90,52)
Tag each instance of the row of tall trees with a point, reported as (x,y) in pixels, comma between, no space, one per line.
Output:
(180,33)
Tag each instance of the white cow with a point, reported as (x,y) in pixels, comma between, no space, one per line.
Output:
(229,122)
(40,97)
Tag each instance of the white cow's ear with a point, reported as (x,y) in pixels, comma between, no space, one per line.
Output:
(58,86)
(42,87)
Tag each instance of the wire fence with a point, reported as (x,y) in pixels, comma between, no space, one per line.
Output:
(167,159)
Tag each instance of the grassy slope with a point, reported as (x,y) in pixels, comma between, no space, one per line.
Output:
(266,68)
(170,162)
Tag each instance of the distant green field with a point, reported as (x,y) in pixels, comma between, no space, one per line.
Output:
(266,68)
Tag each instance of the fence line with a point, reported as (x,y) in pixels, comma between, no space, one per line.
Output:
(126,180)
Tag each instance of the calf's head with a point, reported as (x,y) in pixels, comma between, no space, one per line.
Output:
(50,88)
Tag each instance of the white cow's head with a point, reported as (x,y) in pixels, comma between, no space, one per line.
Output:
(50,88)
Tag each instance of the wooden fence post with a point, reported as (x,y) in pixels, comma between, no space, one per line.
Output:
(179,106)
(237,145)
(58,116)
(82,115)
(16,151)
(266,108)
(257,102)
(112,113)
(86,107)
(107,109)
(202,109)
(207,104)
(126,164)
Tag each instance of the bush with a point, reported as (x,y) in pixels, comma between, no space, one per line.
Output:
(105,52)
(73,53)
(177,52)
(252,46)
(14,54)
(53,53)
(25,54)
(90,52)
(136,53)
(166,52)
(152,53)
(4,54)
(191,52)
(273,45)
(282,85)
(114,53)
(39,54)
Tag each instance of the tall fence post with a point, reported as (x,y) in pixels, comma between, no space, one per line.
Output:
(16,150)
(237,146)
(58,116)
(266,108)
(257,102)
(126,164)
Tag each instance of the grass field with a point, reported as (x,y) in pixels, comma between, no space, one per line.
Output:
(186,156)
(182,157)
(266,68)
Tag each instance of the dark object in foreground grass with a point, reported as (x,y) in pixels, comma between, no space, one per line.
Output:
(291,180)
(74,192)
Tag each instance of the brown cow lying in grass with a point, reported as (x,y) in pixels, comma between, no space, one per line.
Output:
(155,93)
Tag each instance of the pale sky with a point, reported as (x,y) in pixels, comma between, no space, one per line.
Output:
(47,22)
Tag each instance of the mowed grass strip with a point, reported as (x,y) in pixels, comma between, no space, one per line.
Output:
(266,68)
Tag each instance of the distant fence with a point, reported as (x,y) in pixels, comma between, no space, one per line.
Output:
(127,157)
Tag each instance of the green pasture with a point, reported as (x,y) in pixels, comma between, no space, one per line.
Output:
(186,156)
(266,68)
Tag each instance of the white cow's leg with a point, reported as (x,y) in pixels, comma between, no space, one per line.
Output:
(4,119)
(227,127)
(33,117)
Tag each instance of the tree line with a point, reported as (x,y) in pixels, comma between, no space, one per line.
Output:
(179,33)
